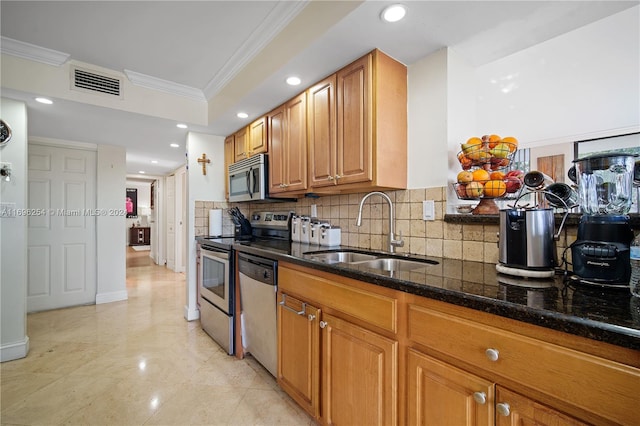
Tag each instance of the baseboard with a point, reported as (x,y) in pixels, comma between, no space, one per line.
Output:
(14,350)
(114,296)
(191,314)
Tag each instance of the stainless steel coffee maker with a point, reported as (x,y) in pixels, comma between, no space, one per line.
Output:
(527,237)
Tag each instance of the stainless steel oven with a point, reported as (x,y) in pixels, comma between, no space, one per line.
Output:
(216,295)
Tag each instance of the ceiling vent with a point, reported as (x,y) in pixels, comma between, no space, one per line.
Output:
(90,81)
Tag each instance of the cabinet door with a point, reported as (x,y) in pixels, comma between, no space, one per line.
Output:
(439,394)
(258,136)
(359,375)
(321,122)
(296,144)
(240,141)
(513,409)
(276,134)
(229,158)
(299,352)
(355,124)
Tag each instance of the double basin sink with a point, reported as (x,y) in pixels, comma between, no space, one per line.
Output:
(370,260)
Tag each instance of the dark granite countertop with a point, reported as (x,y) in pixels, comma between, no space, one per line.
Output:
(611,316)
(573,219)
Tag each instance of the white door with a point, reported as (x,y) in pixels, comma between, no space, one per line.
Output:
(61,256)
(171,222)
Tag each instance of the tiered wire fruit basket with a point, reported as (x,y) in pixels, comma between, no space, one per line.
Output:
(484,176)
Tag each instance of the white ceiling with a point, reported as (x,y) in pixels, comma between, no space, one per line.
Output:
(236,54)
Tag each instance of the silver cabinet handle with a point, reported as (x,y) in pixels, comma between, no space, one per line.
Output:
(338,176)
(330,178)
(480,397)
(503,409)
(492,354)
(323,324)
(311,317)
(283,304)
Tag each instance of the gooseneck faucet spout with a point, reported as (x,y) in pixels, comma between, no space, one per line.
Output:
(393,243)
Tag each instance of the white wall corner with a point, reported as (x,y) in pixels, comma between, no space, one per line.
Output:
(114,296)
(17,350)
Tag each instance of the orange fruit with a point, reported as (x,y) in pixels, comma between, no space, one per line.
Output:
(513,142)
(465,177)
(495,188)
(496,175)
(493,140)
(481,175)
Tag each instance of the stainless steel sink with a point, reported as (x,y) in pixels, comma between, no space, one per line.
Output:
(343,256)
(376,261)
(394,264)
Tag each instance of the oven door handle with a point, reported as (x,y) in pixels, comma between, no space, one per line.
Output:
(283,303)
(216,254)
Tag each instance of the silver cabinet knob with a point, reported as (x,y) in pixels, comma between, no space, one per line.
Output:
(311,317)
(480,397)
(323,324)
(503,409)
(330,178)
(338,176)
(492,354)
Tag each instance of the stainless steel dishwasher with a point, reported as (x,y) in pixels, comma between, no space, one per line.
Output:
(258,287)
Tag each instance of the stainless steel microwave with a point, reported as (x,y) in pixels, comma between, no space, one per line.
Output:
(248,179)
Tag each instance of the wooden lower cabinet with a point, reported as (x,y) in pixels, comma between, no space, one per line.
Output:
(513,409)
(440,394)
(359,375)
(366,355)
(299,352)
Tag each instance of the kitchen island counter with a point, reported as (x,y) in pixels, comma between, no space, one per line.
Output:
(610,316)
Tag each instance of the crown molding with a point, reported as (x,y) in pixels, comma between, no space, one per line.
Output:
(32,52)
(278,18)
(166,86)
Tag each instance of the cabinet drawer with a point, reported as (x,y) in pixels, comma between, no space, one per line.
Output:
(374,309)
(591,383)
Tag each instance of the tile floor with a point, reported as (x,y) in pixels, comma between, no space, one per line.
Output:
(136,362)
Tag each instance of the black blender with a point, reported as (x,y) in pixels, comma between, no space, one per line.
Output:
(600,255)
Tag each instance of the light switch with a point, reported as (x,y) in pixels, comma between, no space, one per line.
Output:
(428,210)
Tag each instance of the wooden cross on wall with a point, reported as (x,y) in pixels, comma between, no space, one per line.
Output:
(204,161)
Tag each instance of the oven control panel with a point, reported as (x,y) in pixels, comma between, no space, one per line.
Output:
(275,220)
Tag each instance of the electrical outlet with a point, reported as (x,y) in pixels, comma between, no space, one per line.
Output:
(428,210)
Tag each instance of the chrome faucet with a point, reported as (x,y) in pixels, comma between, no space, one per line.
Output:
(393,243)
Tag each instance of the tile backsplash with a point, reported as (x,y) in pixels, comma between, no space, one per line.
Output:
(475,242)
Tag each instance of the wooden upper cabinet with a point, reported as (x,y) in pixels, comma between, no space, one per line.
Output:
(288,141)
(229,158)
(251,140)
(240,144)
(368,148)
(276,156)
(321,124)
(355,126)
(258,136)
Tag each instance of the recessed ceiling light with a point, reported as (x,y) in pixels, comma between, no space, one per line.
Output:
(242,115)
(181,126)
(293,81)
(44,101)
(154,161)
(141,172)
(393,13)
(175,145)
